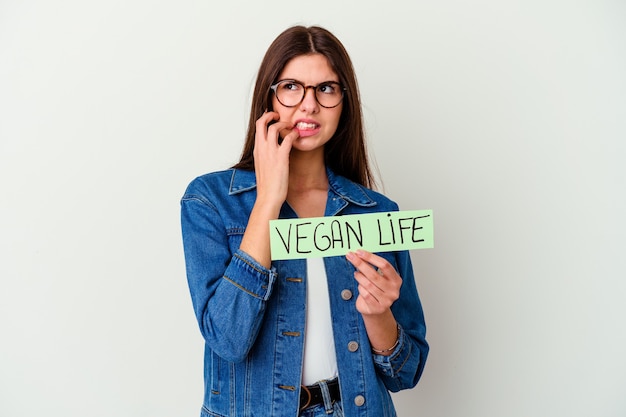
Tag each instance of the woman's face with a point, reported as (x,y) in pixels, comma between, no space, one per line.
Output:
(314,123)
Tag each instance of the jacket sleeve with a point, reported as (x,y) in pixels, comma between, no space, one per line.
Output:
(229,289)
(403,368)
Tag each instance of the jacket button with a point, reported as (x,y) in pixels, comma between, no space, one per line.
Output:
(359,400)
(353,346)
(346,294)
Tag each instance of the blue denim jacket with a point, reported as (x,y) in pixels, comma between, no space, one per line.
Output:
(253,318)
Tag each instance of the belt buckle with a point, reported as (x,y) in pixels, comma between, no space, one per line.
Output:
(308,393)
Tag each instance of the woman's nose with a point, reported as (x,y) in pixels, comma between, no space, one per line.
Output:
(309,103)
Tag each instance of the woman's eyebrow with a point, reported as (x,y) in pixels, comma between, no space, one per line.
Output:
(302,82)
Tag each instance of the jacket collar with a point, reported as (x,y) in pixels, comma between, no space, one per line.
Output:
(242,181)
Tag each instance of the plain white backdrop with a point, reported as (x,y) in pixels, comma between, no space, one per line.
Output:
(507,118)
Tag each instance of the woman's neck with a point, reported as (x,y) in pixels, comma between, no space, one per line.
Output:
(307,172)
(308,185)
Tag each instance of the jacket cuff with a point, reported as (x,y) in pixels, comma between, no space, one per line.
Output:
(248,275)
(391,365)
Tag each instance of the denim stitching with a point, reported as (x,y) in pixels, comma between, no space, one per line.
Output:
(250,264)
(242,288)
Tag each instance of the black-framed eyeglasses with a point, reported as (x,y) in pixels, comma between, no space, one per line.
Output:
(290,93)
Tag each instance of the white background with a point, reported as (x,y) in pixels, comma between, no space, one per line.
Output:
(507,118)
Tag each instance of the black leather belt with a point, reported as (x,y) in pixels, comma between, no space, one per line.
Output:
(311,395)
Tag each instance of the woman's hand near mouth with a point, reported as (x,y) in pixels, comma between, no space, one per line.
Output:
(271,166)
(271,158)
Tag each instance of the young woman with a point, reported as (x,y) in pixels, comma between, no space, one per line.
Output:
(307,337)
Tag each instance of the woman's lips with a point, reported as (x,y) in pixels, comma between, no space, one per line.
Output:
(306,128)
(305,125)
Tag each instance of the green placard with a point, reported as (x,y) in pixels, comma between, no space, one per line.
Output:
(317,237)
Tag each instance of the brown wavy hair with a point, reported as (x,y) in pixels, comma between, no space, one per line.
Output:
(345,153)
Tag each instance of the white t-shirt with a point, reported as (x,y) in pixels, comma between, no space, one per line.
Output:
(320,361)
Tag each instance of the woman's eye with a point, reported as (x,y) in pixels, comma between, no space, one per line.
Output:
(327,89)
(291,87)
